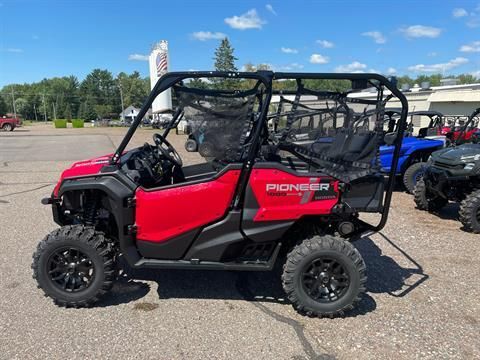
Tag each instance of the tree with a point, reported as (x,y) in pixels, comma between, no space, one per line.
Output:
(3,106)
(100,88)
(135,89)
(466,79)
(225,61)
(224,58)
(198,84)
(68,112)
(87,111)
(21,105)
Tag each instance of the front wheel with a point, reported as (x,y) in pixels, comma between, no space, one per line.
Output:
(470,212)
(7,127)
(74,265)
(411,176)
(426,200)
(324,276)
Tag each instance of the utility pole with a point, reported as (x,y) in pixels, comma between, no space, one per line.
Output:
(13,102)
(44,108)
(55,108)
(121,99)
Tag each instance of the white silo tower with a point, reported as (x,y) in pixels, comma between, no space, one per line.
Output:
(159,63)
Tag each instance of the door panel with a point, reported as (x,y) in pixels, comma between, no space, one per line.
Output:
(284,195)
(165,213)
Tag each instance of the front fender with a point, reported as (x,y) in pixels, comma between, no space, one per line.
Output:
(118,189)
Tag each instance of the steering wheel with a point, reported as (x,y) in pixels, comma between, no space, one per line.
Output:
(167,150)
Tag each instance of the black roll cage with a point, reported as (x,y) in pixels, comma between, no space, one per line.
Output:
(359,81)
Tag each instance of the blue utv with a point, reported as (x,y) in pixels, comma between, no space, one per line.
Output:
(415,150)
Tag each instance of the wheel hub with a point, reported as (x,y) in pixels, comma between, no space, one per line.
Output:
(325,280)
(70,269)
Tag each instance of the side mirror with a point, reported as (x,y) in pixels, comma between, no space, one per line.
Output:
(390,138)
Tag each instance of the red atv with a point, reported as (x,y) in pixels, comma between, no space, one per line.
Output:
(259,200)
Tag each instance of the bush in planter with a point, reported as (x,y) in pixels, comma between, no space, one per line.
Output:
(60,123)
(77,123)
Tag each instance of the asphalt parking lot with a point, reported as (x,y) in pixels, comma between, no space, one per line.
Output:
(422,296)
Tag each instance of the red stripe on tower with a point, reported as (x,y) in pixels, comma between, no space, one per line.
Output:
(161,63)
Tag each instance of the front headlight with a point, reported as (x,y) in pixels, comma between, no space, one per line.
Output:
(469,166)
(470,158)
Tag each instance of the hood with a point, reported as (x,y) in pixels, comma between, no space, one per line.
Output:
(410,144)
(458,154)
(83,168)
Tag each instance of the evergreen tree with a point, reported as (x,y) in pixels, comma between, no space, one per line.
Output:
(225,61)
(224,58)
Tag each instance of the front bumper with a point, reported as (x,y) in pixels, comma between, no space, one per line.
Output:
(55,202)
(438,181)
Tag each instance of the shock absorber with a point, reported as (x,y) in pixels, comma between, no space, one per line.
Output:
(90,209)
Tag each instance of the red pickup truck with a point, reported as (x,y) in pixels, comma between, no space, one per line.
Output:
(9,123)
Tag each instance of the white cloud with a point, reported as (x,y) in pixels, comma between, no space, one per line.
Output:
(432,54)
(476,74)
(354,67)
(289,50)
(319,59)
(377,36)
(441,67)
(270,8)
(391,71)
(14,50)
(138,57)
(474,21)
(325,44)
(249,20)
(273,67)
(459,12)
(289,67)
(470,48)
(418,31)
(208,35)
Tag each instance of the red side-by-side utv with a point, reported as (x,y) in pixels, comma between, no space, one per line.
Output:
(258,198)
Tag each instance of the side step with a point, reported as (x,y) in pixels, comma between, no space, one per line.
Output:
(195,264)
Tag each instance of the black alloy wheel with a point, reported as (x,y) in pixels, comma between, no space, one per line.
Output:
(70,269)
(325,280)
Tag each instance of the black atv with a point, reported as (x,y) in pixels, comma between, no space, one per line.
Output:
(453,174)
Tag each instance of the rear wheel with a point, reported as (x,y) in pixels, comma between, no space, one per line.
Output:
(7,127)
(207,150)
(426,200)
(191,145)
(74,265)
(411,176)
(324,276)
(470,212)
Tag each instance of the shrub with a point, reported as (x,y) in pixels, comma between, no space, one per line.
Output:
(77,123)
(60,123)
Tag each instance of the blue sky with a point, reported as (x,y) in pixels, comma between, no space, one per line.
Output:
(48,38)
